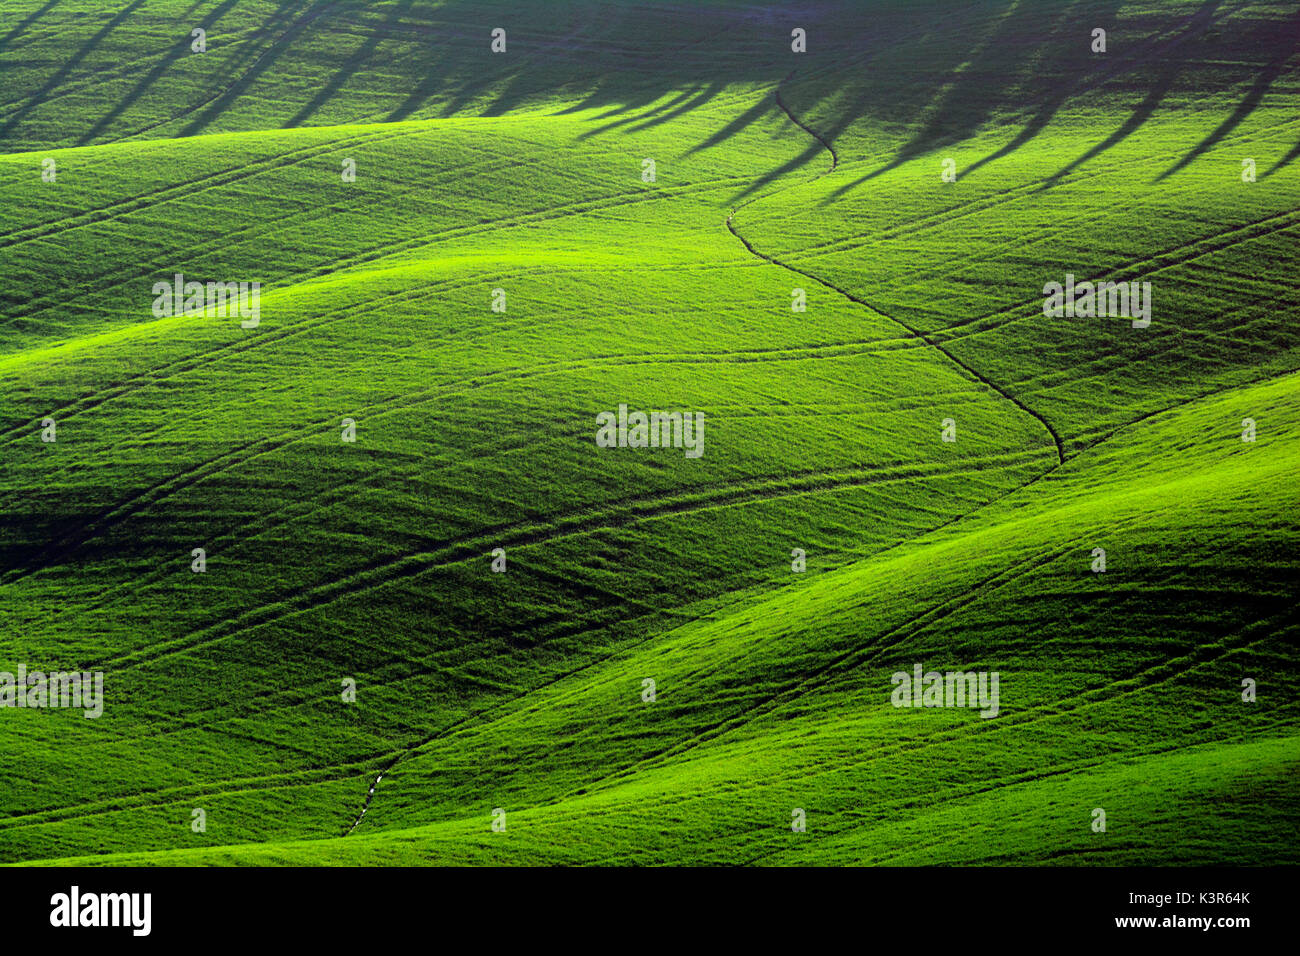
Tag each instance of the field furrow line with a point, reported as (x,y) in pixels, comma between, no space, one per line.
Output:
(928,340)
(457,550)
(191,189)
(250,451)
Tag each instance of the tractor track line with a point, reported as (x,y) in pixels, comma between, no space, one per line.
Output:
(456,550)
(121,511)
(929,341)
(444,732)
(42,304)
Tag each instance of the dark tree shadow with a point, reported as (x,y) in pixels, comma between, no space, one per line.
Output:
(1272,70)
(954,121)
(1081,63)
(362,55)
(23,24)
(635,110)
(677,106)
(55,81)
(149,79)
(979,82)
(1169,70)
(261,63)
(1284,161)
(742,120)
(634,67)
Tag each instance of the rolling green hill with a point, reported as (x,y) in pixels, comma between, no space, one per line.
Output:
(501,270)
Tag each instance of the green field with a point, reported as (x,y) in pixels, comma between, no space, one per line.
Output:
(500,270)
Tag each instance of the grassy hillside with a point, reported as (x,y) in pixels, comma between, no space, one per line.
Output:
(520,174)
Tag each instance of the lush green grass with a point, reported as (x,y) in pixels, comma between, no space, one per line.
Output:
(522,171)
